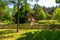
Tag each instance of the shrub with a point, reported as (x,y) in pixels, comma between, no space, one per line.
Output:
(42,15)
(43,23)
(49,22)
(57,14)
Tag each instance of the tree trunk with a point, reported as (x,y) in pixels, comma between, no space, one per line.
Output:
(18,17)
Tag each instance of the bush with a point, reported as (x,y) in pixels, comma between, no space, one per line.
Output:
(57,14)
(49,22)
(8,22)
(49,16)
(53,21)
(43,23)
(41,15)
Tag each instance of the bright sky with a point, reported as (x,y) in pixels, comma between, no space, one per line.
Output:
(46,3)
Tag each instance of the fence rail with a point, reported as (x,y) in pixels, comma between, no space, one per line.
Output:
(28,26)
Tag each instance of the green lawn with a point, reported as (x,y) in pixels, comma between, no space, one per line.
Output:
(30,34)
(11,34)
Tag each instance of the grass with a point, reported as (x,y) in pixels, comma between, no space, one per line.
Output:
(41,35)
(10,34)
(29,34)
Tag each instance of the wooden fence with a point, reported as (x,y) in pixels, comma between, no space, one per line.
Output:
(28,26)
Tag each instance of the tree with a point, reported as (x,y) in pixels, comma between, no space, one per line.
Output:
(41,15)
(36,9)
(7,14)
(14,10)
(23,12)
(5,11)
(57,14)
(48,16)
(2,5)
(57,1)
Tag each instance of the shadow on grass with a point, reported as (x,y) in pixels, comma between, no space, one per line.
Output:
(41,35)
(3,34)
(6,32)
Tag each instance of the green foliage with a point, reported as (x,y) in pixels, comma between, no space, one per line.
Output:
(6,32)
(57,14)
(7,14)
(41,35)
(24,10)
(41,15)
(45,22)
(28,8)
(57,1)
(14,10)
(5,10)
(2,5)
(53,22)
(48,16)
(48,22)
(8,22)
